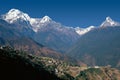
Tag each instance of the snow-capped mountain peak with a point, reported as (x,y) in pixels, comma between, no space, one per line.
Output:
(15,14)
(14,11)
(108,19)
(109,22)
(45,19)
(37,23)
(82,31)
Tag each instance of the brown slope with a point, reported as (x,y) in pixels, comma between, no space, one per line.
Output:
(103,73)
(30,46)
(16,65)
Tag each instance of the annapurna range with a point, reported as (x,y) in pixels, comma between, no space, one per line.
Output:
(37,23)
(46,31)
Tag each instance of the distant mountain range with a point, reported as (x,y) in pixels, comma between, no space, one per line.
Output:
(100,46)
(44,30)
(15,15)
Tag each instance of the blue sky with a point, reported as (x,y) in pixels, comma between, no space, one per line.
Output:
(73,13)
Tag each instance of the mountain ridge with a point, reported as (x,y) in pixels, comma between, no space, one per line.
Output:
(15,14)
(43,30)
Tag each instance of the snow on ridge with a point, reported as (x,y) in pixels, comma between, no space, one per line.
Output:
(36,23)
(14,14)
(82,31)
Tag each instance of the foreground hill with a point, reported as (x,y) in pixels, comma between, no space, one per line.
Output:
(99,47)
(18,65)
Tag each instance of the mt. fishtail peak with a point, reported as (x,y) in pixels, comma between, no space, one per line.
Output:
(109,22)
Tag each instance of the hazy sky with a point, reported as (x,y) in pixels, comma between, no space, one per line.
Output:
(74,13)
